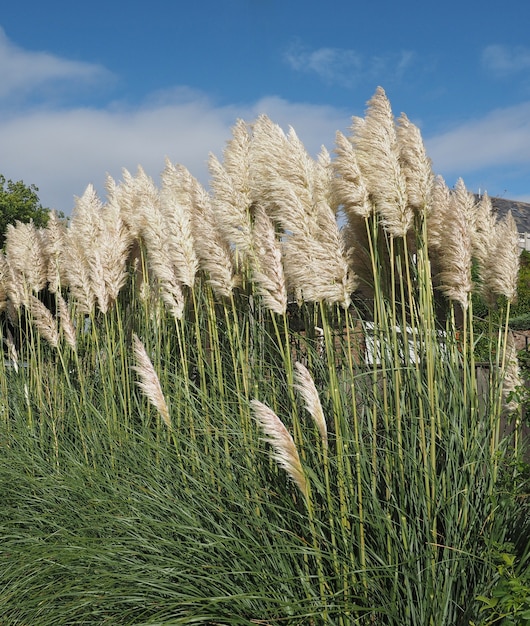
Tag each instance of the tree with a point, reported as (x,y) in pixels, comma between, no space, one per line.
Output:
(19,202)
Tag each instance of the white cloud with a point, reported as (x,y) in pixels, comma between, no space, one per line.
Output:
(501,138)
(347,67)
(505,60)
(62,151)
(25,71)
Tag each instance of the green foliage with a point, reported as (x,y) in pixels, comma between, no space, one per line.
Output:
(19,202)
(508,604)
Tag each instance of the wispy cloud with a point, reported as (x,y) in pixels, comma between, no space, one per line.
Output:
(347,67)
(506,60)
(500,138)
(26,72)
(62,151)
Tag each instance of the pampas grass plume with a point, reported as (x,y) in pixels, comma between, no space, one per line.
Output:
(66,321)
(285,452)
(306,387)
(43,320)
(149,382)
(213,250)
(378,153)
(267,270)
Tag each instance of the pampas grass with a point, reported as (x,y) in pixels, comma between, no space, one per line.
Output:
(456,232)
(306,387)
(214,253)
(27,259)
(44,321)
(267,268)
(285,452)
(149,382)
(378,153)
(320,303)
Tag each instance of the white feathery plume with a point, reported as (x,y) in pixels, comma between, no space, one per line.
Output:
(267,268)
(512,379)
(213,251)
(176,205)
(285,452)
(66,321)
(484,241)
(26,255)
(437,216)
(44,321)
(4,274)
(455,257)
(484,221)
(230,184)
(15,288)
(305,385)
(155,237)
(416,165)
(149,382)
(296,192)
(500,270)
(349,187)
(53,237)
(82,263)
(269,145)
(114,245)
(77,272)
(378,154)
(350,193)
(129,194)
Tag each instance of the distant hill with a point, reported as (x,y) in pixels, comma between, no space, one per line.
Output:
(520,212)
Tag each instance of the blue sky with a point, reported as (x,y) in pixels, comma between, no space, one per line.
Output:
(89,88)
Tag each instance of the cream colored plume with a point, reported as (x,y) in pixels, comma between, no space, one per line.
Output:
(231,188)
(43,320)
(16,290)
(66,325)
(213,251)
(149,382)
(379,157)
(318,264)
(349,187)
(176,204)
(53,240)
(285,452)
(4,277)
(296,192)
(483,231)
(455,254)
(441,201)
(512,379)
(415,164)
(500,270)
(306,387)
(82,263)
(115,244)
(27,258)
(154,234)
(267,268)
(130,194)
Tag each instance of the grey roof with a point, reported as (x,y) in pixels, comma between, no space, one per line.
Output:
(520,212)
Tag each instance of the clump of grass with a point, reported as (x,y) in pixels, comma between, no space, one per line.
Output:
(326,303)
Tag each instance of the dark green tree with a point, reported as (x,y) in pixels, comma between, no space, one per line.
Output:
(20,202)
